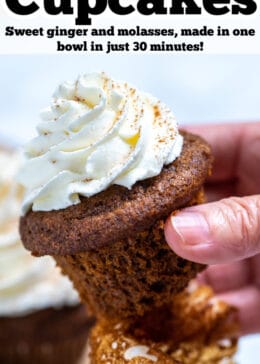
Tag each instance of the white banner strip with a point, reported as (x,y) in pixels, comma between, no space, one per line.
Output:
(134,33)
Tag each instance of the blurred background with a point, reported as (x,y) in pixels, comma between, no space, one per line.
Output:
(199,89)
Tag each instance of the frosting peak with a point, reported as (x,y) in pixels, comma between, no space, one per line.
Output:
(97,132)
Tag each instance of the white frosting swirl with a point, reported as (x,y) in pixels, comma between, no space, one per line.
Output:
(27,284)
(97,132)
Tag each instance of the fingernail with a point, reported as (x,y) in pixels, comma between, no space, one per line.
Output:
(191,228)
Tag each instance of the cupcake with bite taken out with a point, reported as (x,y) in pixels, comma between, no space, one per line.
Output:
(106,169)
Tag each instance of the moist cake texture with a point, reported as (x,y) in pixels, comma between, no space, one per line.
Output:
(130,279)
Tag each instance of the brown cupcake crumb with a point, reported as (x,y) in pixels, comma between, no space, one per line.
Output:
(130,277)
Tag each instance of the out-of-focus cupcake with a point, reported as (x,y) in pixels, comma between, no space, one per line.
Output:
(107,168)
(41,320)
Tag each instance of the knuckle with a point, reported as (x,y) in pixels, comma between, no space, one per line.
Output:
(242,216)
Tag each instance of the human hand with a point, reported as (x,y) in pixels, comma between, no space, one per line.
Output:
(226,234)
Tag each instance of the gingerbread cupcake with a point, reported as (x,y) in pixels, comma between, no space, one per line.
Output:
(41,320)
(107,168)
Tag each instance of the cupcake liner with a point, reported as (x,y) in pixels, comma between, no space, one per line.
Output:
(132,276)
(45,337)
(68,351)
(197,331)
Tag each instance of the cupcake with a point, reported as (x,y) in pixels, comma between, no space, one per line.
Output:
(106,169)
(195,329)
(41,320)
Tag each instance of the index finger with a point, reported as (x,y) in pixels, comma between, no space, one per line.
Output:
(229,144)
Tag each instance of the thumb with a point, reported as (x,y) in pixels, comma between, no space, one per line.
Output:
(218,232)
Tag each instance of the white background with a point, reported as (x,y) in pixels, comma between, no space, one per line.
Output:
(199,89)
